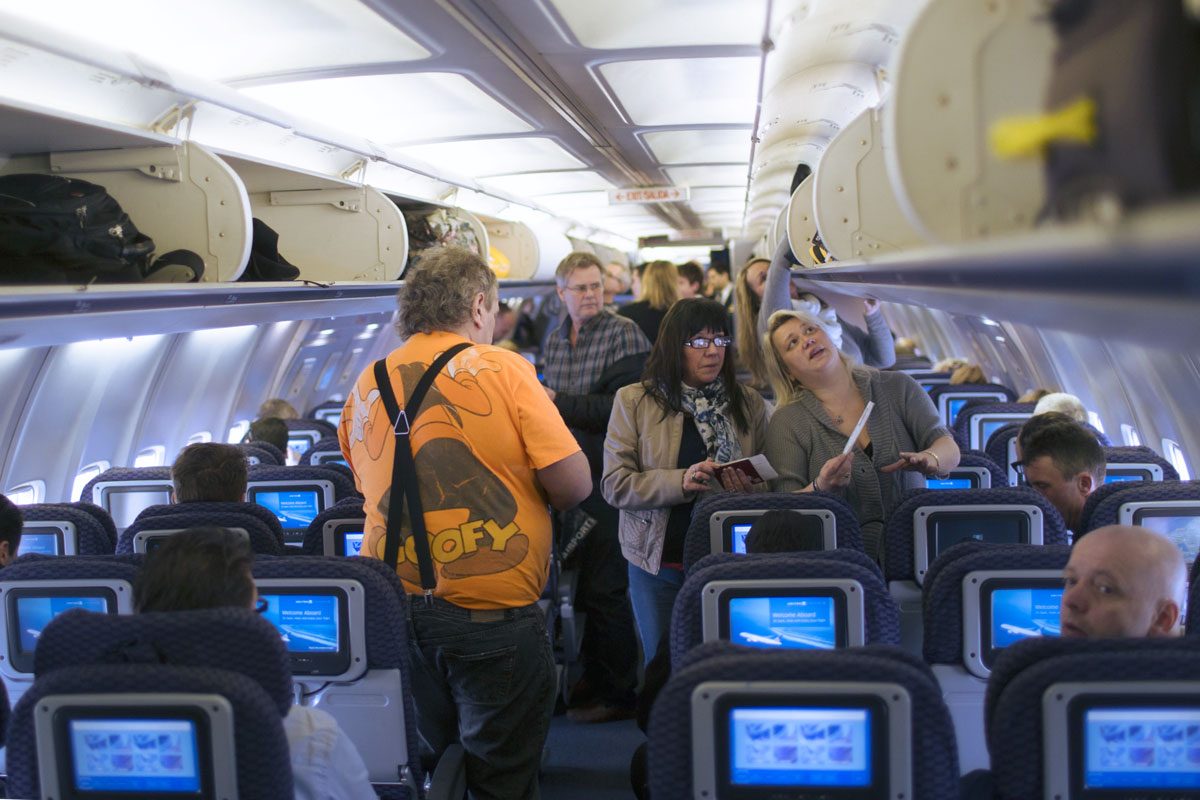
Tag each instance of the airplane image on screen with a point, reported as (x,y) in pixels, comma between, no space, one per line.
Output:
(288,631)
(754,638)
(1042,629)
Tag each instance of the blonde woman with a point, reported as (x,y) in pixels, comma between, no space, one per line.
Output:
(747,296)
(660,290)
(820,397)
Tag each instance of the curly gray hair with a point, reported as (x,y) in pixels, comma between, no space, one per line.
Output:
(438,291)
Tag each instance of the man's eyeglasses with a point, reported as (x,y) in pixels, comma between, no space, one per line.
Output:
(702,342)
(1018,467)
(261,605)
(585,288)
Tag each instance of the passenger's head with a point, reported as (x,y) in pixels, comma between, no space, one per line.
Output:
(580,280)
(1063,403)
(1033,395)
(906,346)
(968,373)
(660,285)
(1123,581)
(747,298)
(279,408)
(799,352)
(950,364)
(691,280)
(1064,462)
(780,531)
(616,281)
(635,279)
(677,358)
(718,275)
(449,289)
(208,471)
(196,569)
(506,322)
(271,430)
(11,523)
(754,276)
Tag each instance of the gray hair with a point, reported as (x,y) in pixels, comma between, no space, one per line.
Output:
(786,387)
(573,261)
(1063,403)
(438,291)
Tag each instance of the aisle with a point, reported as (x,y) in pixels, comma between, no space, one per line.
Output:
(589,761)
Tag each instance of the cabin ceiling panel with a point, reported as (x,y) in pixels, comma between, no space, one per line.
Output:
(225,39)
(709,175)
(662,23)
(534,184)
(684,91)
(699,146)
(381,107)
(482,157)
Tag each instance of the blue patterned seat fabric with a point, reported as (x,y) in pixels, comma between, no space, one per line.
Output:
(1025,670)
(265,452)
(328,444)
(124,475)
(942,602)
(264,769)
(1140,454)
(697,545)
(50,568)
(263,515)
(263,539)
(935,757)
(91,535)
(879,609)
(1106,510)
(314,537)
(308,424)
(898,532)
(962,423)
(977,458)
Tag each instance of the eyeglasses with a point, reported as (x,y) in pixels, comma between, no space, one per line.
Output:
(702,342)
(1019,468)
(586,288)
(261,605)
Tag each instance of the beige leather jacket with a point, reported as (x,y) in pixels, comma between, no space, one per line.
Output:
(640,476)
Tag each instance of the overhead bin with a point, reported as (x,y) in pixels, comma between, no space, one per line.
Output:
(962,67)
(182,196)
(855,207)
(802,223)
(332,229)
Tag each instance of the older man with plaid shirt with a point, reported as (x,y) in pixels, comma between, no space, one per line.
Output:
(591,355)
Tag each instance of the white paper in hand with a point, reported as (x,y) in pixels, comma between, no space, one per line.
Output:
(862,422)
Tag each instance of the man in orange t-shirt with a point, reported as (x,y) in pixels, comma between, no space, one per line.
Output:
(491,451)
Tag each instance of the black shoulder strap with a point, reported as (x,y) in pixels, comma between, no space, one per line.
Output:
(405,488)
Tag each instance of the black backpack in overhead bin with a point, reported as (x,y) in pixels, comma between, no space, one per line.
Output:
(266,262)
(60,230)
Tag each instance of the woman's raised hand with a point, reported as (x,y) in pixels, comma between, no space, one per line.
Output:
(835,475)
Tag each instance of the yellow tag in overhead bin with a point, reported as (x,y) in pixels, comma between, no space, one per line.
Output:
(498,262)
(1023,137)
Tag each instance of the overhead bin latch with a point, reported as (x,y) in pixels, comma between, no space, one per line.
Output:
(342,199)
(154,162)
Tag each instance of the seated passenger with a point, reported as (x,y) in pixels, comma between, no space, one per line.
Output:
(950,364)
(1123,581)
(778,531)
(666,436)
(660,290)
(210,568)
(1033,395)
(967,373)
(821,397)
(278,407)
(1063,403)
(209,472)
(271,430)
(11,523)
(1061,460)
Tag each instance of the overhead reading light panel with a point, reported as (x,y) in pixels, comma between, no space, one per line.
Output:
(662,23)
(224,39)
(478,157)
(699,146)
(532,184)
(394,109)
(685,91)
(720,175)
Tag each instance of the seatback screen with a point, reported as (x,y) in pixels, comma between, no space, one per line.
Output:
(948,483)
(738,535)
(135,756)
(807,623)
(1181,526)
(34,612)
(308,623)
(353,542)
(1126,476)
(800,747)
(1024,612)
(987,428)
(40,541)
(125,505)
(1142,749)
(946,529)
(954,407)
(300,444)
(808,530)
(294,508)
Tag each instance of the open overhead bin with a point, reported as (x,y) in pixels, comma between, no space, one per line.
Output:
(802,223)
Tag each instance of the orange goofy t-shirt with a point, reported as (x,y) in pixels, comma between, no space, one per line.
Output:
(484,427)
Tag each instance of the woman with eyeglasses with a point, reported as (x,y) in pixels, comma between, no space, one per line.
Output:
(821,396)
(666,437)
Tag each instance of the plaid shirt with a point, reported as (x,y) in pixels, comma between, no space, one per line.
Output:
(603,340)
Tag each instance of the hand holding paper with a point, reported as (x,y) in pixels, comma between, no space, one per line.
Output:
(754,470)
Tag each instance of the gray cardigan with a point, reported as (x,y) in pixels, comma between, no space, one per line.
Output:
(640,473)
(802,437)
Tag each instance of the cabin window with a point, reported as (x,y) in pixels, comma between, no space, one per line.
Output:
(347,369)
(197,438)
(86,474)
(1129,435)
(238,431)
(327,373)
(1094,419)
(1174,454)
(301,379)
(153,456)
(28,493)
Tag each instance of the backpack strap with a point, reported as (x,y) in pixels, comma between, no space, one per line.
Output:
(405,488)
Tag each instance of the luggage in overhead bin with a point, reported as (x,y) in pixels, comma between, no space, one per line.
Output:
(60,230)
(266,263)
(1124,99)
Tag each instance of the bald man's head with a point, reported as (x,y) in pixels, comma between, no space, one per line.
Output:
(1123,581)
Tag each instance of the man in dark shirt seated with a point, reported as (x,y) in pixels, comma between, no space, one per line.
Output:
(1063,462)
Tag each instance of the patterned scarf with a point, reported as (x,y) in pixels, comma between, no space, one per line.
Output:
(709,406)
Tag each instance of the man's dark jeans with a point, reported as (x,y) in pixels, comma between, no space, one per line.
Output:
(485,679)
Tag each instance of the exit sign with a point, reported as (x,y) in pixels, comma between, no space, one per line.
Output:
(649,194)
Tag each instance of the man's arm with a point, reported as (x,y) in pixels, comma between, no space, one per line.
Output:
(590,412)
(567,482)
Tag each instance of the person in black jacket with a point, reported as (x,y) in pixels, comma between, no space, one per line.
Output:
(660,290)
(585,360)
